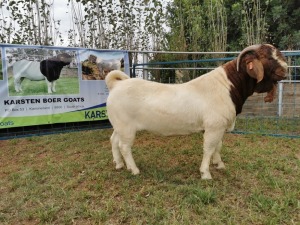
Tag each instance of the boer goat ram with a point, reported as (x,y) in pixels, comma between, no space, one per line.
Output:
(208,103)
(48,69)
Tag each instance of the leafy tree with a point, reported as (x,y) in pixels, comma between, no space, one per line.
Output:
(253,22)
(186,29)
(283,20)
(245,22)
(197,25)
(28,22)
(217,25)
(117,24)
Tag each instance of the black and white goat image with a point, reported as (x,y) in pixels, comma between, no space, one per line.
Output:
(48,70)
(209,103)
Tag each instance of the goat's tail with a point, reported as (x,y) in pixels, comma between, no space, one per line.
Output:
(113,77)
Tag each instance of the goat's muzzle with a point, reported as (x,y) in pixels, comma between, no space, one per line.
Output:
(277,77)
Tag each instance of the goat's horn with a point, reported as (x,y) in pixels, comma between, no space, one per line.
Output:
(250,48)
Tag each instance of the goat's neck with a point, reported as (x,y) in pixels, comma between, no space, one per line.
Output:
(243,85)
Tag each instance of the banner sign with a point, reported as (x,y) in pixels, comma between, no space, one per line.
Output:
(47,85)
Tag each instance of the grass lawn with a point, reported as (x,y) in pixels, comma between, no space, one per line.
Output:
(283,126)
(70,179)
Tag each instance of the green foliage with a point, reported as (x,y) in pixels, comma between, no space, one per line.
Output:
(283,21)
(186,20)
(193,24)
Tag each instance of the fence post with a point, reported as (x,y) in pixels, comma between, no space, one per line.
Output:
(145,71)
(280,96)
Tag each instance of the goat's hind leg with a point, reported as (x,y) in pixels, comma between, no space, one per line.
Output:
(212,141)
(217,160)
(115,143)
(53,87)
(17,83)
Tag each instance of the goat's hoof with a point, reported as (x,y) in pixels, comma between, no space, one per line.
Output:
(135,171)
(220,165)
(206,176)
(119,166)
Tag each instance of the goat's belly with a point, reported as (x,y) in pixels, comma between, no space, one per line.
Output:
(34,73)
(169,128)
(35,77)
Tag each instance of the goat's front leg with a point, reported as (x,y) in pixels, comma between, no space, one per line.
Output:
(53,86)
(49,85)
(212,140)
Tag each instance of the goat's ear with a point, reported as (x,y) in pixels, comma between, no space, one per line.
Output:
(255,69)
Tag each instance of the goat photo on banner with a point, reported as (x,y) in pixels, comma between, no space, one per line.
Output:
(95,65)
(39,71)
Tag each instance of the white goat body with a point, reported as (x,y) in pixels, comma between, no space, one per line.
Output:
(172,109)
(209,103)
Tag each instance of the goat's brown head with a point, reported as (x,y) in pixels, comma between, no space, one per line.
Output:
(264,63)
